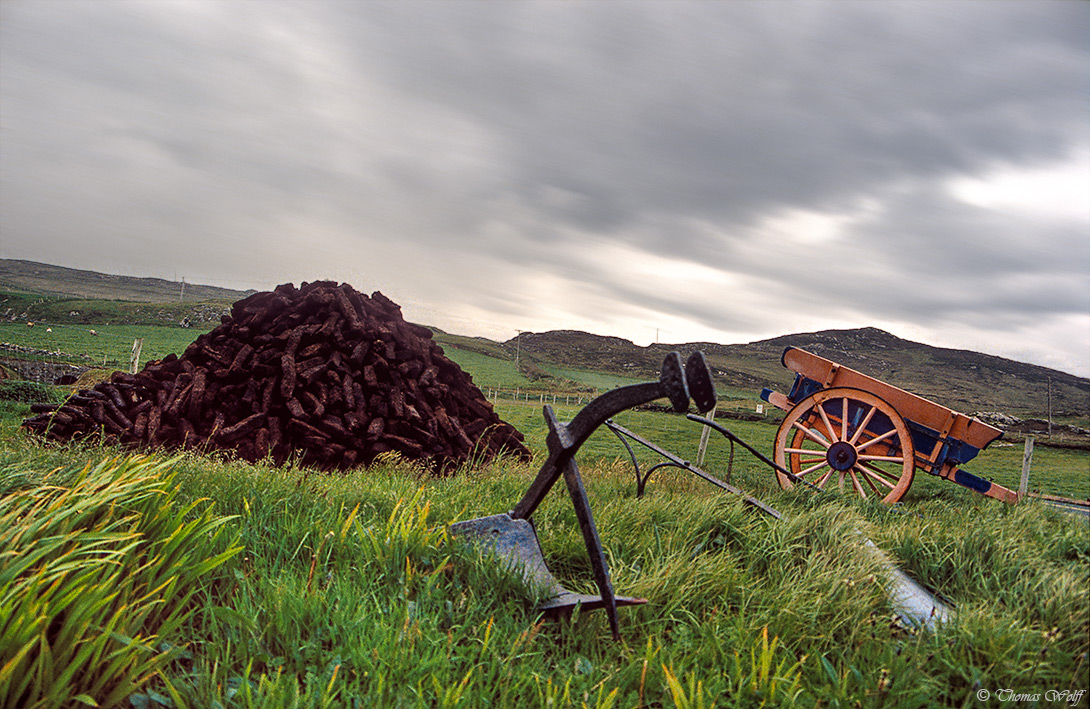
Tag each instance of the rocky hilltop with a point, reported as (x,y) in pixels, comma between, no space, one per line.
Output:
(959,379)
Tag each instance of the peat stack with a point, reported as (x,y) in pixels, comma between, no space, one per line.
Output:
(321,374)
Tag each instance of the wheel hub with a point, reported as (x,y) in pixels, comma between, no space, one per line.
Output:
(841,456)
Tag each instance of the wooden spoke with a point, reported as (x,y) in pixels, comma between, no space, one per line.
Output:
(819,439)
(877,439)
(855,483)
(886,476)
(812,435)
(824,478)
(871,475)
(863,425)
(828,424)
(812,468)
(804,451)
(867,479)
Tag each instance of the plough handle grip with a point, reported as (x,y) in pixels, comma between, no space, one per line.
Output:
(564,440)
(698,377)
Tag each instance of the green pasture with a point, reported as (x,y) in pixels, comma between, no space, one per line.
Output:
(71,311)
(101,345)
(111,346)
(600,381)
(1054,471)
(233,585)
(488,372)
(198,581)
(493,372)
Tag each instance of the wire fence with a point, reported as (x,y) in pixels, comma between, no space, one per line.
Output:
(496,396)
(658,424)
(41,366)
(46,352)
(51,353)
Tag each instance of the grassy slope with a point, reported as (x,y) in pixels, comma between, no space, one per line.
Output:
(348,591)
(111,344)
(961,380)
(492,365)
(62,311)
(1054,471)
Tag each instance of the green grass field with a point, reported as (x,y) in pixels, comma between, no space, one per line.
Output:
(1055,471)
(71,311)
(102,345)
(285,588)
(196,581)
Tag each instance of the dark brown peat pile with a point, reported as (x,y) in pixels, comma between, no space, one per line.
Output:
(321,375)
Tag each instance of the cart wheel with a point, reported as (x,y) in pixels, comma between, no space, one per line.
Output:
(850,438)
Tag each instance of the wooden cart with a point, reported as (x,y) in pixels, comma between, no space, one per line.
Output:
(868,437)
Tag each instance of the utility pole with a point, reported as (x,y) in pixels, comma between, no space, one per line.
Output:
(181,296)
(518,343)
(1050,407)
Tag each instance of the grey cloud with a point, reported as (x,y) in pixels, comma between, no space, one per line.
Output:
(712,117)
(522,130)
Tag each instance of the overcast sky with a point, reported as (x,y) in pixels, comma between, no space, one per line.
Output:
(687,171)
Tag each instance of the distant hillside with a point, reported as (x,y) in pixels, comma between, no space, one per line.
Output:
(33,277)
(959,379)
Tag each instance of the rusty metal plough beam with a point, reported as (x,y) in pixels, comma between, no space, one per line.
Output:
(674,461)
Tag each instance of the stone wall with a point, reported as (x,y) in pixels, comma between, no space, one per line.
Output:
(43,371)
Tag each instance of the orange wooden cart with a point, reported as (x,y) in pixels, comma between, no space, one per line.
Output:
(868,437)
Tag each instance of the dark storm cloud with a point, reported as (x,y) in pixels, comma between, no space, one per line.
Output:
(728,111)
(473,148)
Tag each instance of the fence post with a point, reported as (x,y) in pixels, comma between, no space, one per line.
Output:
(704,434)
(134,361)
(1027,460)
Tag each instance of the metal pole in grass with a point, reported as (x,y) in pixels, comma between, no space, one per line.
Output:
(1027,461)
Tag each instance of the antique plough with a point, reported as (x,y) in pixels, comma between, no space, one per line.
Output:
(511,535)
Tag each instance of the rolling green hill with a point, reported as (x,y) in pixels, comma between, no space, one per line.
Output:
(961,380)
(572,361)
(46,279)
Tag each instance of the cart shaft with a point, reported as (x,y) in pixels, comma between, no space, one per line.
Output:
(978,484)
